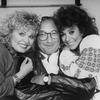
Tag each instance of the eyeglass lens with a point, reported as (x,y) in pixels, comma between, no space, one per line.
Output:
(44,35)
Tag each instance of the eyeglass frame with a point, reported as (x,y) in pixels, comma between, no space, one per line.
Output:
(47,35)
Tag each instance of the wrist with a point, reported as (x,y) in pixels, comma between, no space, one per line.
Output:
(20,75)
(46,79)
(16,79)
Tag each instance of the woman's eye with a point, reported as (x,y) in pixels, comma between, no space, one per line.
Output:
(21,34)
(31,37)
(71,32)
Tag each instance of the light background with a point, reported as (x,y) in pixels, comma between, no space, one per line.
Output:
(92,6)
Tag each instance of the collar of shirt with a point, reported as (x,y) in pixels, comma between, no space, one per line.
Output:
(51,64)
(49,58)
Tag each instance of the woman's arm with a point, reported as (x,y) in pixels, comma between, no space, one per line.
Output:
(6,73)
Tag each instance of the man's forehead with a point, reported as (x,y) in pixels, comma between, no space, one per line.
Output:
(48,22)
(48,25)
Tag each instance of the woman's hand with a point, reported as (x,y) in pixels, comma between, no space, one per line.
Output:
(26,68)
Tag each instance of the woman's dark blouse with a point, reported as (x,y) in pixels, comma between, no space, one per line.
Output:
(10,62)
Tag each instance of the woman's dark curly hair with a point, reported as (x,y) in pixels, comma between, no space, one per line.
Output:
(73,15)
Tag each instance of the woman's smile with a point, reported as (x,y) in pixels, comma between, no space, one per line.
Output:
(23,45)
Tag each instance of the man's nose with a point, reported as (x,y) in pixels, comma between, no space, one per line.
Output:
(49,39)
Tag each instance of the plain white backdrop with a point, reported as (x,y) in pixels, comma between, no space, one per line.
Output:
(93,7)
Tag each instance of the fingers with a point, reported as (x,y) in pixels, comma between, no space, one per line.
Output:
(27,63)
(27,60)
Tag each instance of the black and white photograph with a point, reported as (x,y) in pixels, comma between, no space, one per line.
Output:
(49,49)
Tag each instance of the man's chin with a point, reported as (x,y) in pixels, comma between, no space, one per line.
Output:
(50,52)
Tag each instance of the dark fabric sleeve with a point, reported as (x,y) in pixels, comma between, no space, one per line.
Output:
(62,88)
(79,88)
(6,71)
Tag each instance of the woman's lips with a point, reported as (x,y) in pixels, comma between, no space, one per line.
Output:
(23,45)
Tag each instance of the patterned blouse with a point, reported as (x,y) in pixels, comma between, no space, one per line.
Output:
(85,65)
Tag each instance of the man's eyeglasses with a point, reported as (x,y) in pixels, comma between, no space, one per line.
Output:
(44,35)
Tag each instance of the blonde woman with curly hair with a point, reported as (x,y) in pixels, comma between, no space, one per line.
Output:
(17,36)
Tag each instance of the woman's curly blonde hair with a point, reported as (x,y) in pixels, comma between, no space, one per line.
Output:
(16,21)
